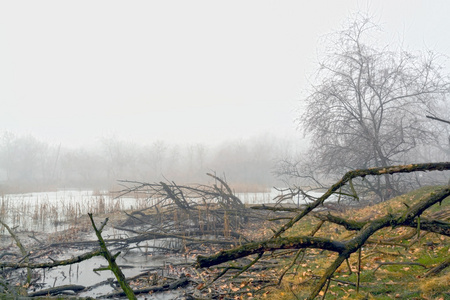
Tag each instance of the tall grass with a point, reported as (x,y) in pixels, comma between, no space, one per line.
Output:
(56,211)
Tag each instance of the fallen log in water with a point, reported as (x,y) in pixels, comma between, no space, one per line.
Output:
(183,281)
(57,290)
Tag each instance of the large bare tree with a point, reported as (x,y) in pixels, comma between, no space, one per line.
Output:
(368,106)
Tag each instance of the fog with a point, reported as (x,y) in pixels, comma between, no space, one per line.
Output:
(92,92)
(28,164)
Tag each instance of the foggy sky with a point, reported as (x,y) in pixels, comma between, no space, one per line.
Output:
(179,71)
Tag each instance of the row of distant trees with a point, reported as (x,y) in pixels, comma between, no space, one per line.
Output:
(29,164)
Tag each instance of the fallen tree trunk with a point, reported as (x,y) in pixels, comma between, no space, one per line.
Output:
(367,230)
(410,217)
(435,226)
(57,290)
(270,245)
(183,281)
(363,173)
(54,263)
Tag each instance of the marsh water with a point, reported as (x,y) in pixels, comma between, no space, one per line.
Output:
(58,215)
(48,213)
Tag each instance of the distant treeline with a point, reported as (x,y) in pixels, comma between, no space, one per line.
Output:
(29,164)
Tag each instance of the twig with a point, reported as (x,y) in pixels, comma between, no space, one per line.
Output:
(249,265)
(359,271)
(22,249)
(436,270)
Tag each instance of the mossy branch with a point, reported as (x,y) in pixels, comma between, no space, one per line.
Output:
(365,229)
(442,166)
(112,260)
(270,245)
(431,225)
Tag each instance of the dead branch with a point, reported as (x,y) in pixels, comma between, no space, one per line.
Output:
(235,201)
(338,281)
(57,290)
(437,119)
(112,260)
(435,226)
(270,245)
(277,208)
(364,229)
(21,247)
(363,173)
(182,203)
(323,243)
(54,263)
(182,281)
(377,224)
(436,270)
(300,251)
(196,207)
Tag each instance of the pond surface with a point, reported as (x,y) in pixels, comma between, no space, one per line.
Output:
(55,211)
(133,264)
(52,212)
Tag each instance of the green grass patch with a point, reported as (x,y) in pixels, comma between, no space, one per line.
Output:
(379,279)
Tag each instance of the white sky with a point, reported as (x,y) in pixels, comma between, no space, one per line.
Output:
(179,71)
